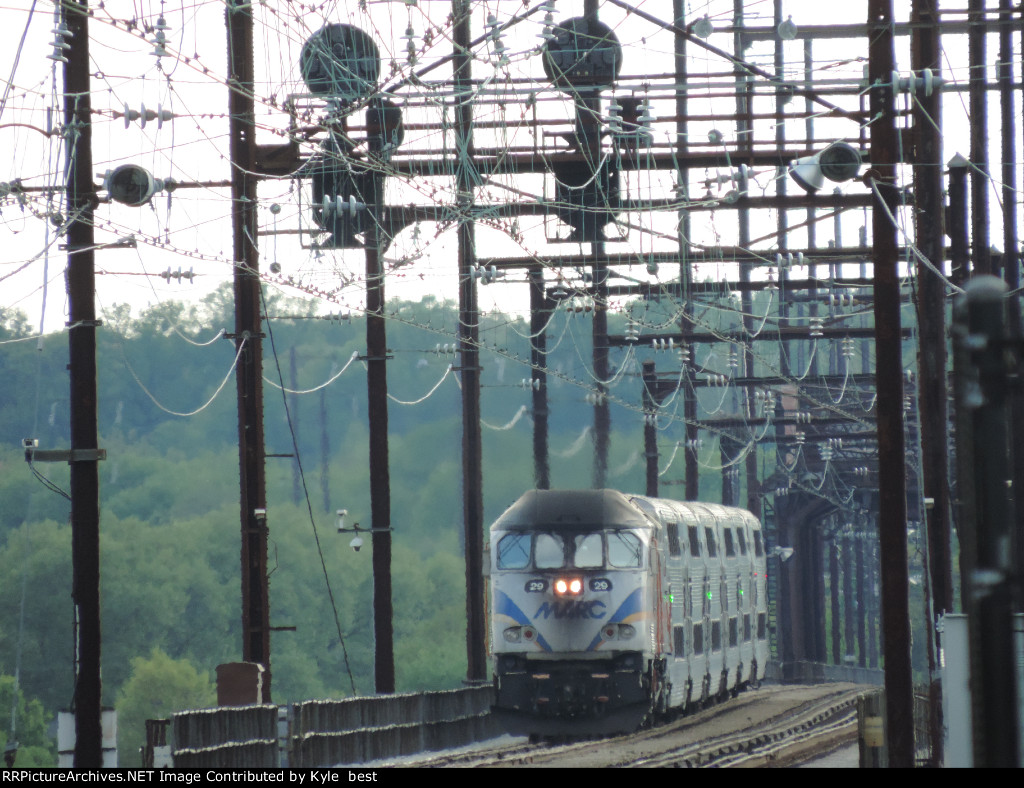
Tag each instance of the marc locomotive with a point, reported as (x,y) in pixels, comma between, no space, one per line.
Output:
(610,609)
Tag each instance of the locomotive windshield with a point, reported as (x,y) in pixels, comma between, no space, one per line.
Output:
(593,550)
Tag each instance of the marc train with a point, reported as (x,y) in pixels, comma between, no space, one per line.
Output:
(608,610)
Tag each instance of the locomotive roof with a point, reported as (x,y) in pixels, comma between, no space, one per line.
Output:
(571,509)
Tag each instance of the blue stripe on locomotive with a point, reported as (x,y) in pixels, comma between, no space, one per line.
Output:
(504,606)
(629,610)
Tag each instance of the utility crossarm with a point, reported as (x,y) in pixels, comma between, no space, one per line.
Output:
(669,380)
(718,254)
(774,335)
(399,216)
(724,424)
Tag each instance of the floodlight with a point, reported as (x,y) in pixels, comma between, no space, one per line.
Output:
(838,162)
(132,185)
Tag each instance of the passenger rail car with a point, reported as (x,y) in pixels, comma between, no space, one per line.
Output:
(608,609)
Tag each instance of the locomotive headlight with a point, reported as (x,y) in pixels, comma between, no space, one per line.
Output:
(513,634)
(572,586)
(626,631)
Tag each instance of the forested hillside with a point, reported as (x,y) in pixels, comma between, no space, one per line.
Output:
(169,495)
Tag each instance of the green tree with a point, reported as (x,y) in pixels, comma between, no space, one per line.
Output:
(28,722)
(158,687)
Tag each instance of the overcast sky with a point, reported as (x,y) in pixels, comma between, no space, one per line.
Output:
(191,229)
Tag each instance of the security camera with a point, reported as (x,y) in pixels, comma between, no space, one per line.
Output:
(356,543)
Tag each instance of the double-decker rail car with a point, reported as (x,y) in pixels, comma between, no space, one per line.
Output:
(609,609)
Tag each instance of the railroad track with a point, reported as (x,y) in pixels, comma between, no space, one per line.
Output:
(807,731)
(774,726)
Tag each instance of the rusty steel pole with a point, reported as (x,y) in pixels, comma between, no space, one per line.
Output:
(540,311)
(469,349)
(650,381)
(892,521)
(1011,261)
(978,103)
(931,309)
(82,323)
(248,341)
(377,405)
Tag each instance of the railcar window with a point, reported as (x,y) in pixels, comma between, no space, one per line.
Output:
(549,552)
(698,638)
(679,641)
(730,547)
(587,553)
(743,541)
(709,537)
(758,545)
(694,540)
(624,549)
(673,538)
(514,551)
(716,635)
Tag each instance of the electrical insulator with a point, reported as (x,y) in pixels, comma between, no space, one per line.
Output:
(60,44)
(548,33)
(487,275)
(160,38)
(339,206)
(410,46)
(816,326)
(646,117)
(801,437)
(168,275)
(615,117)
(493,27)
(684,354)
